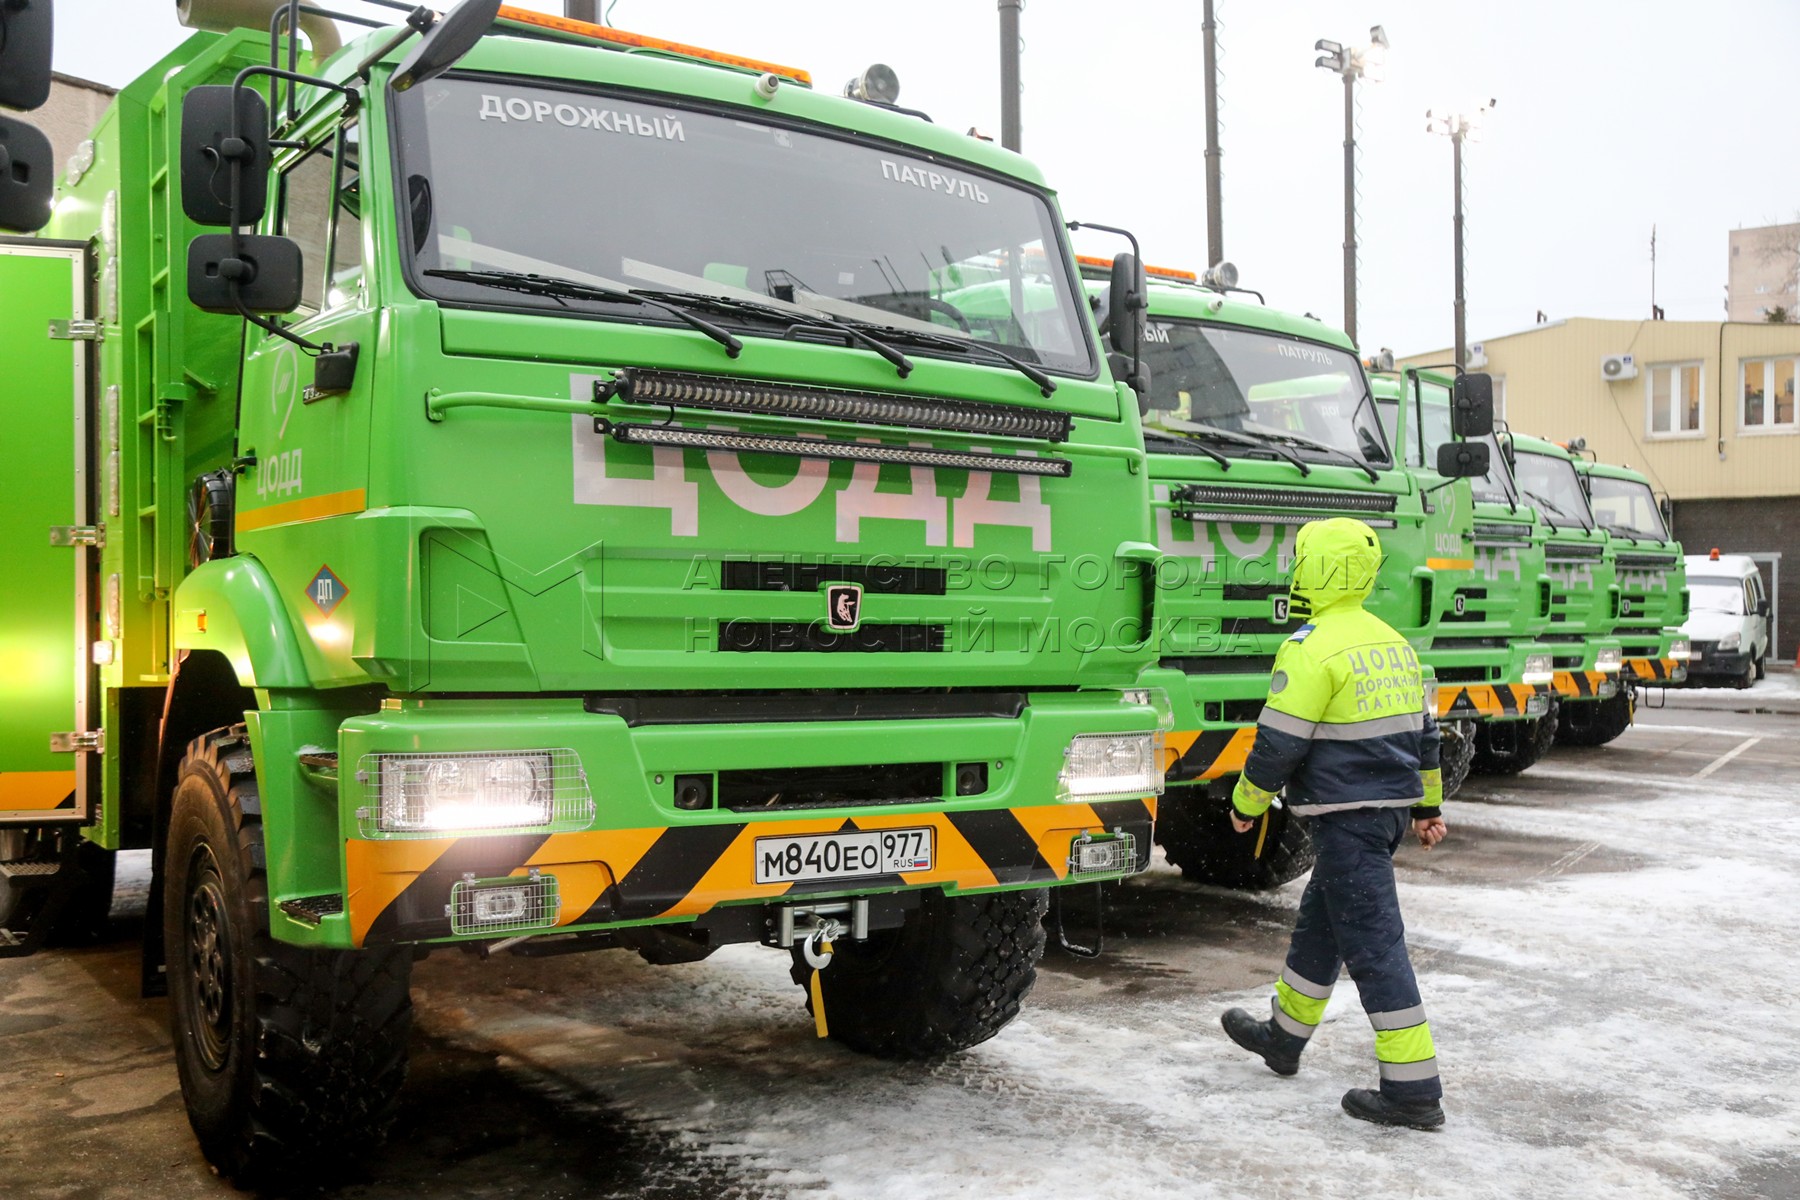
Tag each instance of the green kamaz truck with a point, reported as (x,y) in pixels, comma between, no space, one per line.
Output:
(1585,599)
(1653,599)
(594,524)
(1491,664)
(1258,421)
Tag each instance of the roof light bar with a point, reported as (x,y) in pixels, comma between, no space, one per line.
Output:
(825,404)
(637,41)
(800,447)
(1096,263)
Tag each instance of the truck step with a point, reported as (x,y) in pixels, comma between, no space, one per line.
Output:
(30,872)
(9,939)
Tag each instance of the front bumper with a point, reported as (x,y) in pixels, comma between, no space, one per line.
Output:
(641,859)
(1708,659)
(1578,686)
(1653,672)
(1491,701)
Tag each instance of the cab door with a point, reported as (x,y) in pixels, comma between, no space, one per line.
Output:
(48,756)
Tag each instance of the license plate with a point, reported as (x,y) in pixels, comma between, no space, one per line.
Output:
(842,855)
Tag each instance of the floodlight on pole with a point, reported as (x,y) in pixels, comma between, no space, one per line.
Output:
(1459,127)
(1352,63)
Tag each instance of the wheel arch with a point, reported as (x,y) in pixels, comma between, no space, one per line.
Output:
(231,607)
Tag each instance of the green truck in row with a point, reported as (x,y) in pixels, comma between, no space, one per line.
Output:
(510,483)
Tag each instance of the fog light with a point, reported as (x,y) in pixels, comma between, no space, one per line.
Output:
(420,795)
(1681,650)
(504,905)
(1114,854)
(1539,668)
(1537,706)
(1607,661)
(1100,766)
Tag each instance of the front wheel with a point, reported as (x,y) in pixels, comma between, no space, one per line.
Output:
(1762,666)
(1595,724)
(290,1059)
(952,977)
(1196,835)
(1747,679)
(1509,747)
(1456,754)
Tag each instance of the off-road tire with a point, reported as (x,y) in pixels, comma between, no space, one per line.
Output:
(84,915)
(1518,749)
(1595,724)
(291,1060)
(952,977)
(1197,837)
(1456,754)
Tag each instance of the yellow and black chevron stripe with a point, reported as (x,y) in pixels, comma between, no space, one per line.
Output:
(25,794)
(396,890)
(1579,685)
(1474,701)
(1651,670)
(1206,754)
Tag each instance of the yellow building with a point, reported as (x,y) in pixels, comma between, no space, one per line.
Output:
(1705,409)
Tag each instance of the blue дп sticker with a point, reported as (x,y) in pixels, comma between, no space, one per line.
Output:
(326,590)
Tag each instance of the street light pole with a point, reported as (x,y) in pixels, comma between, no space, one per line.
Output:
(1459,128)
(1215,216)
(1353,63)
(1009,73)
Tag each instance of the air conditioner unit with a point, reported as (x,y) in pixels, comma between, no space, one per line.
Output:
(1614,367)
(1477,356)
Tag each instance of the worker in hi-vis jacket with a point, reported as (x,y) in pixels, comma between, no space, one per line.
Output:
(1349,735)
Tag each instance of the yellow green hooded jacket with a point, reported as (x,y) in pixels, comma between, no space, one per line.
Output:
(1346,724)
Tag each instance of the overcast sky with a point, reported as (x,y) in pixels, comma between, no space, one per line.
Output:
(1612,117)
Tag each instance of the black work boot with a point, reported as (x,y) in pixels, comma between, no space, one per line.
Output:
(1367,1104)
(1280,1050)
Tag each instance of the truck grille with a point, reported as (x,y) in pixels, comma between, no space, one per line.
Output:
(764,790)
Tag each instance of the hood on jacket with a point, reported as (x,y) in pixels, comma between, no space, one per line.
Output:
(1335,562)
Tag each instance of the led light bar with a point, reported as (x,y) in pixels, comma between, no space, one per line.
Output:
(1258,497)
(1260,518)
(829,404)
(1505,531)
(1572,551)
(802,447)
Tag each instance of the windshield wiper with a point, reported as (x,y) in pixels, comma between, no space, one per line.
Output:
(1188,445)
(1294,439)
(559,289)
(812,318)
(1241,439)
(916,337)
(1625,531)
(1551,505)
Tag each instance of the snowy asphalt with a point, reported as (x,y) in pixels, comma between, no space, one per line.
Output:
(1608,949)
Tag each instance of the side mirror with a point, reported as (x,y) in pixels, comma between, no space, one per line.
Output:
(208,150)
(1472,406)
(27,174)
(267,270)
(1462,460)
(1127,299)
(454,35)
(1667,508)
(26,31)
(1138,381)
(1762,608)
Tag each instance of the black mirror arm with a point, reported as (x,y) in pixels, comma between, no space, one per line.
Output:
(417,21)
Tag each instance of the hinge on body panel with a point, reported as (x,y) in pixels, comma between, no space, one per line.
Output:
(77,331)
(78,535)
(89,741)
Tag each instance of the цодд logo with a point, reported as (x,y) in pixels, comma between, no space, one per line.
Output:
(843,606)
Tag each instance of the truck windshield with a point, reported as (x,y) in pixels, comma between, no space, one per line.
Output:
(1716,593)
(1306,396)
(760,226)
(1550,483)
(1627,505)
(1495,487)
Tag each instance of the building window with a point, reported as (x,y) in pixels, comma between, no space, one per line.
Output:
(1766,394)
(1674,391)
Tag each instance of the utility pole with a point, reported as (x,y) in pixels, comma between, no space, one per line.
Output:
(1459,128)
(1009,73)
(1353,63)
(582,10)
(1215,203)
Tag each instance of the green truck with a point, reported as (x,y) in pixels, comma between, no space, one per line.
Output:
(1653,600)
(1258,421)
(595,525)
(1490,661)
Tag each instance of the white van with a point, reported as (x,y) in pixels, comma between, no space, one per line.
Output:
(1728,618)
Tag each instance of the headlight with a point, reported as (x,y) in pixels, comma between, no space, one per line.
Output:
(1607,661)
(1099,766)
(1431,696)
(1539,668)
(460,792)
(1731,641)
(1681,650)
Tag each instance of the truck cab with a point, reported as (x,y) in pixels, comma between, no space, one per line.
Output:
(1652,574)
